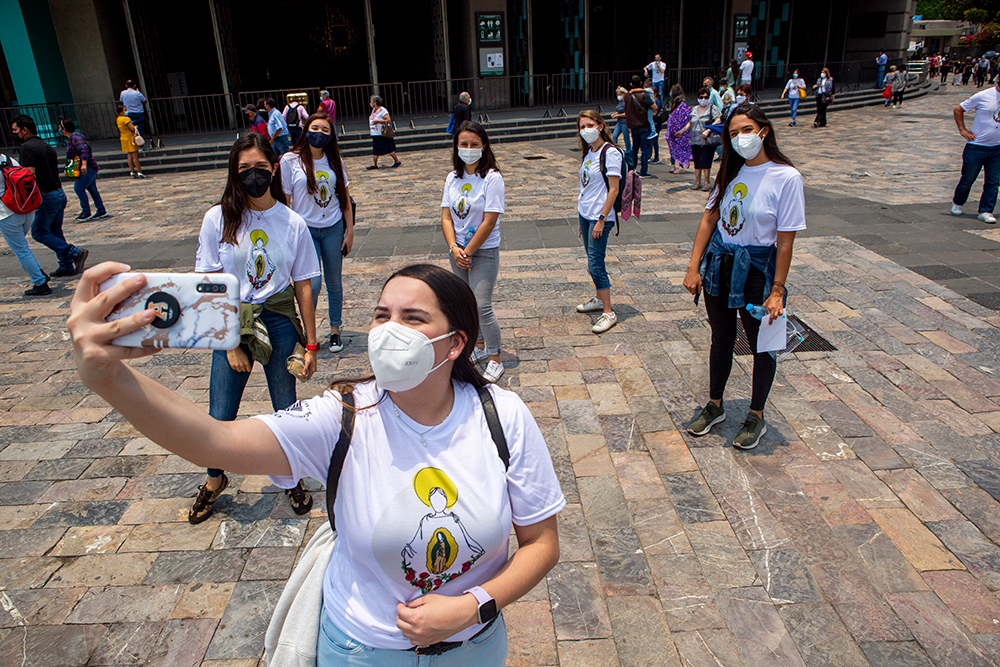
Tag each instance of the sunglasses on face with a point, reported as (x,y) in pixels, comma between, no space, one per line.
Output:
(703,98)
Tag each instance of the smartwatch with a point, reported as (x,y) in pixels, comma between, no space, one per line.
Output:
(602,218)
(487,605)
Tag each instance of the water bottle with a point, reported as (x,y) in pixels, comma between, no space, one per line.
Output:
(469,233)
(757,311)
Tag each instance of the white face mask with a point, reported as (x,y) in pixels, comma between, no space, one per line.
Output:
(590,134)
(748,145)
(703,103)
(822,76)
(620,98)
(740,99)
(401,357)
(470,155)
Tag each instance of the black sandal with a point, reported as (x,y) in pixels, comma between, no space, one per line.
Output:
(202,508)
(300,499)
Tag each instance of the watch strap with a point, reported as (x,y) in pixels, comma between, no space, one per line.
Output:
(480,594)
(487,610)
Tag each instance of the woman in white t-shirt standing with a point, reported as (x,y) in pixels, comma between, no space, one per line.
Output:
(794,91)
(314,176)
(255,237)
(741,256)
(380,123)
(596,208)
(426,498)
(471,206)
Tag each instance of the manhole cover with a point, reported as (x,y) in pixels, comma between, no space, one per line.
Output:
(535,157)
(813,342)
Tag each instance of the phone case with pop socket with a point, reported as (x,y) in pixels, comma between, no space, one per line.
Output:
(193,310)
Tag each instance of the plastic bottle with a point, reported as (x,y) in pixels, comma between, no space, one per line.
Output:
(757,311)
(469,233)
(76,167)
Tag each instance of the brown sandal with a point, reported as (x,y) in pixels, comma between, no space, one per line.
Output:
(202,508)
(300,499)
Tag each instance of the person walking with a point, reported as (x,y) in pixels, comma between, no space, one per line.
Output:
(329,107)
(795,90)
(314,177)
(678,127)
(825,93)
(660,115)
(47,225)
(746,69)
(656,71)
(15,228)
(945,69)
(471,206)
(425,504)
(295,116)
(254,236)
(704,141)
(134,101)
(596,208)
(277,129)
(896,80)
(462,110)
(78,147)
(881,62)
(982,71)
(621,128)
(380,129)
(127,134)
(257,122)
(741,256)
(637,101)
(982,150)
(733,73)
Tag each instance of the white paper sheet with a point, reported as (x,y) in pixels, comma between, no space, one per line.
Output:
(772,336)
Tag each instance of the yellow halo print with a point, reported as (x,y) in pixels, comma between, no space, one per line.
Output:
(429,479)
(467,188)
(258,235)
(740,191)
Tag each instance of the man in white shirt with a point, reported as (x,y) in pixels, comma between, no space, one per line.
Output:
(981,150)
(657,70)
(746,69)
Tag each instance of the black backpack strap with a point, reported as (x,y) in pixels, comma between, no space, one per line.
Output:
(604,169)
(339,454)
(493,420)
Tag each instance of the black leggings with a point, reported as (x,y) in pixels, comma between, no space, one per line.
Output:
(722,318)
(897,97)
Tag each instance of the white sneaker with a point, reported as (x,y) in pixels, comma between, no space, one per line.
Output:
(987,217)
(494,370)
(479,354)
(956,209)
(605,322)
(591,306)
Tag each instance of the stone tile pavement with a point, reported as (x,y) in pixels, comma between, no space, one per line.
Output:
(863,531)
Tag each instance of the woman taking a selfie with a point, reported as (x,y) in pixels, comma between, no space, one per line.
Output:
(426,498)
(255,237)
(741,256)
(315,178)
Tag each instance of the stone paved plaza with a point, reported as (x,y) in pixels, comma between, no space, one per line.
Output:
(863,530)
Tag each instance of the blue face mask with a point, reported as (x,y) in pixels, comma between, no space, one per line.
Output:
(318,139)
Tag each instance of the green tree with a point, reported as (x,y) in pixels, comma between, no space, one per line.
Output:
(929,9)
(976,15)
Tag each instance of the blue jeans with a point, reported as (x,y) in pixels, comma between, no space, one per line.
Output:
(974,158)
(649,119)
(47,228)
(293,135)
(138,119)
(328,242)
(658,85)
(596,251)
(87,182)
(280,144)
(640,139)
(621,129)
(793,103)
(881,76)
(225,385)
(335,648)
(15,228)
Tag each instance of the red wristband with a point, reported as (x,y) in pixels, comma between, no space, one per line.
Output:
(312,347)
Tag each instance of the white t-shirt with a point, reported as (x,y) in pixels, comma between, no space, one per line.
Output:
(414,519)
(657,69)
(593,192)
(794,85)
(274,250)
(986,125)
(375,129)
(321,209)
(760,202)
(746,71)
(469,199)
(9,162)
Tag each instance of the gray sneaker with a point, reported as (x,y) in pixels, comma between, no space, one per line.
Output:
(711,415)
(750,433)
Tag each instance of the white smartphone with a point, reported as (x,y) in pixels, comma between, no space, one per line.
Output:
(193,310)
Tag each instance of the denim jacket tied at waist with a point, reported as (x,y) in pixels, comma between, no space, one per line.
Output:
(762,257)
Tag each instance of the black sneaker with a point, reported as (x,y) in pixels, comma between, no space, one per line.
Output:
(710,415)
(64,273)
(750,433)
(336,344)
(84,217)
(39,290)
(101,216)
(81,261)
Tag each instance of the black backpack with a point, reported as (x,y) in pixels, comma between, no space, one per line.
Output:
(347,430)
(292,115)
(626,168)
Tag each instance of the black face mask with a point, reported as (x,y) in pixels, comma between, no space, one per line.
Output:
(256,181)
(318,139)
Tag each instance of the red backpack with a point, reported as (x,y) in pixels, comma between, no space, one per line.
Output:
(21,193)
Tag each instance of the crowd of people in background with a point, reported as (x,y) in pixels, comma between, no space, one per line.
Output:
(979,70)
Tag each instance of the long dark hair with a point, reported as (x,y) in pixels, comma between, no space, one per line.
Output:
(486,162)
(332,152)
(732,161)
(235,198)
(676,96)
(605,134)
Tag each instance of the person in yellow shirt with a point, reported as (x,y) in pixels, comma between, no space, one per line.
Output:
(129,147)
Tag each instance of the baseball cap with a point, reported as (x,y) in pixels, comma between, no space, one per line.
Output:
(250,107)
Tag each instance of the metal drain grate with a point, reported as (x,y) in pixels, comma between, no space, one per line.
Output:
(813,342)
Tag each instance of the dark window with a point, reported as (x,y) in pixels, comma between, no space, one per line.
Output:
(865,25)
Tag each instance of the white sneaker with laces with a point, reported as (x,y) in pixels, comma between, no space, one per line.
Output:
(988,217)
(494,371)
(479,354)
(956,209)
(605,322)
(591,306)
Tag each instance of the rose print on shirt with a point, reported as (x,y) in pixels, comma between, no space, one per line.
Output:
(259,266)
(441,542)
(461,206)
(735,209)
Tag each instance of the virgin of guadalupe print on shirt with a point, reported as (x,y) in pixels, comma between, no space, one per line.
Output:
(736,208)
(461,206)
(324,193)
(259,265)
